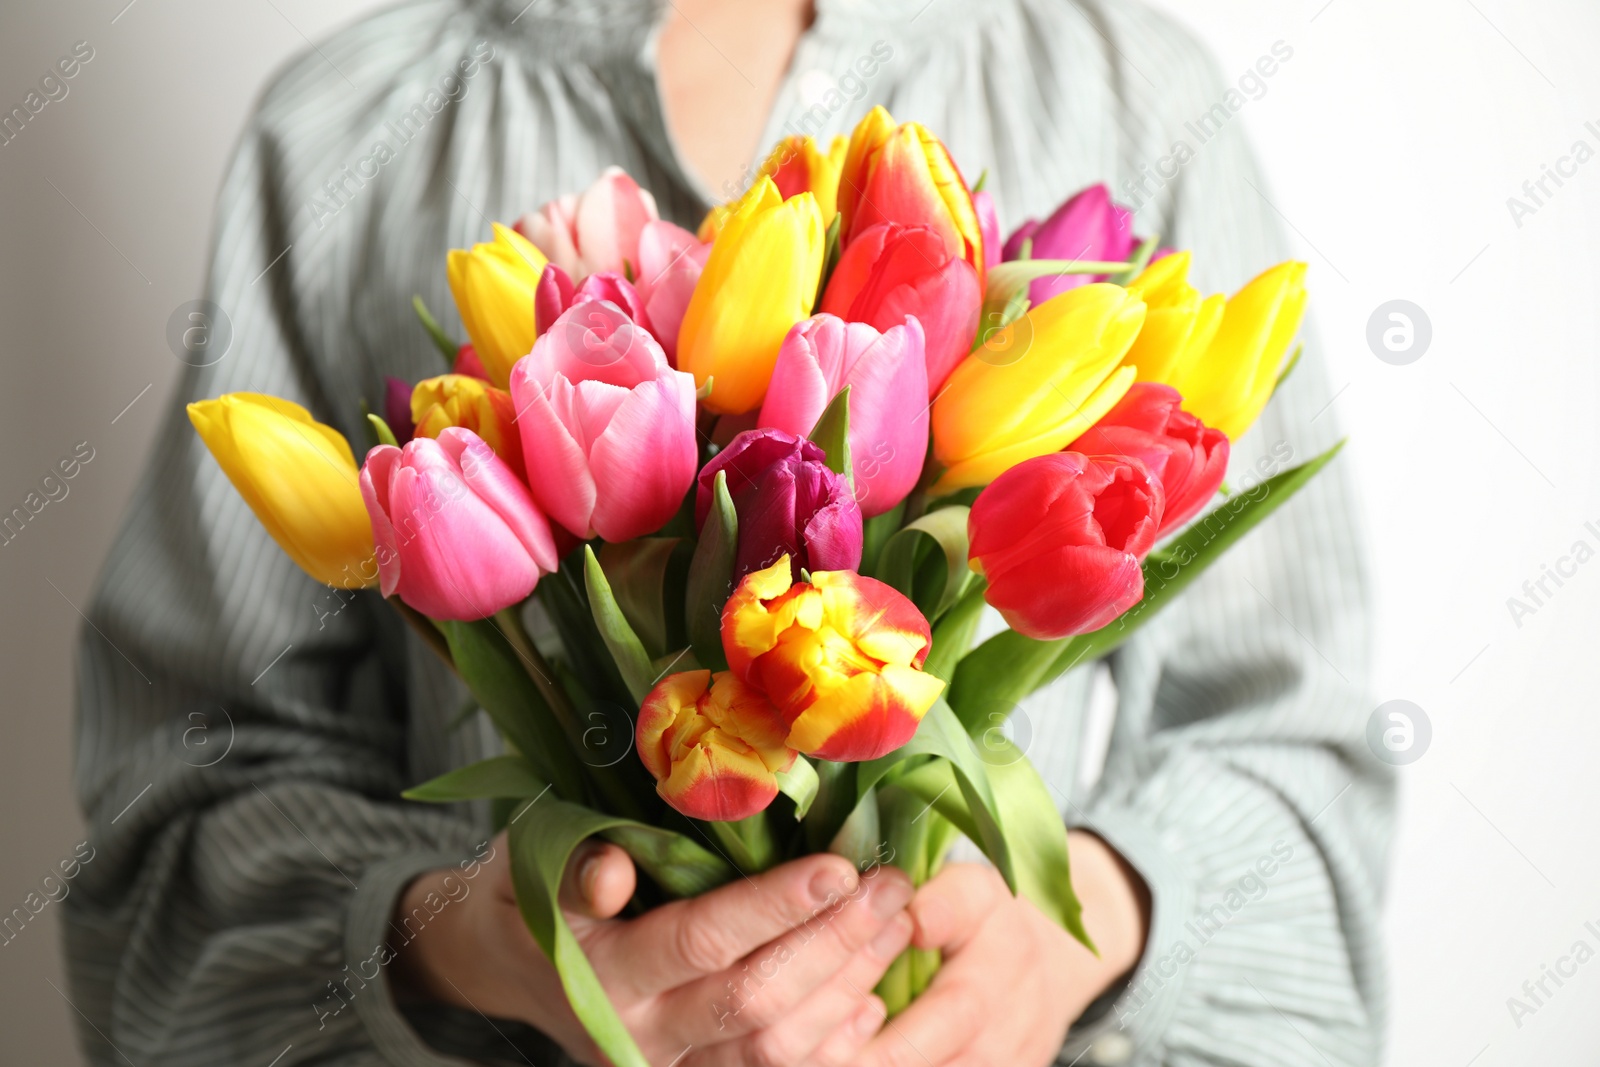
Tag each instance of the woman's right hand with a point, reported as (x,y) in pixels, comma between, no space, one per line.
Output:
(772,970)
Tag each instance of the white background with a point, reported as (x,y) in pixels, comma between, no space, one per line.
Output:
(1391,142)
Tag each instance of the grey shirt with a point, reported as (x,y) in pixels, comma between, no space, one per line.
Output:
(233,913)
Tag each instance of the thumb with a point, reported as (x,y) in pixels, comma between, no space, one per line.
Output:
(598,882)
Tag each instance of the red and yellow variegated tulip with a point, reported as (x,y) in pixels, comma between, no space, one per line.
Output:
(839,656)
(905,174)
(714,745)
(473,404)
(797,164)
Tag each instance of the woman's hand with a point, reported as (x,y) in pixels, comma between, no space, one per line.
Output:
(1012,981)
(772,970)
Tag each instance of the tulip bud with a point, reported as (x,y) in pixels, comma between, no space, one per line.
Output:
(612,425)
(788,502)
(473,404)
(713,744)
(887,378)
(839,656)
(1059,539)
(494,286)
(1089,226)
(1229,384)
(1178,325)
(596,230)
(1187,457)
(458,535)
(989,226)
(397,408)
(670,262)
(905,174)
(466,362)
(891,272)
(299,478)
(759,280)
(796,165)
(1035,385)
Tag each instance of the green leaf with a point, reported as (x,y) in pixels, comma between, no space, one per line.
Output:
(858,837)
(542,836)
(799,783)
(647,576)
(626,650)
(710,581)
(385,435)
(1137,262)
(953,633)
(927,561)
(832,435)
(1009,666)
(830,257)
(1288,368)
(502,776)
(875,533)
(446,347)
(941,734)
(567,605)
(678,864)
(1036,833)
(491,668)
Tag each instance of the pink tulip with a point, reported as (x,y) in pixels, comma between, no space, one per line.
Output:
(595,230)
(888,379)
(608,427)
(989,226)
(556,294)
(1090,225)
(670,261)
(457,534)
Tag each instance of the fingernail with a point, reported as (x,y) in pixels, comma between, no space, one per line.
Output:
(890,895)
(892,938)
(826,885)
(588,876)
(869,1018)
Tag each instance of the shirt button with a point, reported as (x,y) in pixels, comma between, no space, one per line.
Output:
(1111,1050)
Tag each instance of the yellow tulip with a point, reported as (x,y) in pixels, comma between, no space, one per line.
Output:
(796,165)
(494,285)
(1179,325)
(760,279)
(1036,385)
(472,403)
(300,479)
(1228,384)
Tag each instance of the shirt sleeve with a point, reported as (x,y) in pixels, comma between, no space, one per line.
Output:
(1237,781)
(242,736)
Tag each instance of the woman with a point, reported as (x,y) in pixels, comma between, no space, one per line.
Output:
(281,902)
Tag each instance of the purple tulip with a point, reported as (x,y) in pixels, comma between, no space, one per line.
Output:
(1089,226)
(788,501)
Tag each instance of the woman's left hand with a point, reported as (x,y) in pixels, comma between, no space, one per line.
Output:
(1012,981)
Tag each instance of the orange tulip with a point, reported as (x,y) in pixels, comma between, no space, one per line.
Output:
(840,657)
(714,745)
(905,174)
(473,404)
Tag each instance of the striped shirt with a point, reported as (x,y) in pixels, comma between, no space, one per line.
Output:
(267,724)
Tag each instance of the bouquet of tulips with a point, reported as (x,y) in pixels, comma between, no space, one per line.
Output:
(707,521)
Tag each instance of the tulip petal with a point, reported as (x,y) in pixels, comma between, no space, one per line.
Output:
(558,467)
(494,482)
(645,459)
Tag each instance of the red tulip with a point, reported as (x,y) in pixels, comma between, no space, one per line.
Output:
(1059,539)
(1186,456)
(891,271)
(714,745)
